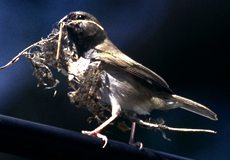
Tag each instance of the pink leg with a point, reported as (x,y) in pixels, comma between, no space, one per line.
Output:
(96,132)
(115,112)
(131,140)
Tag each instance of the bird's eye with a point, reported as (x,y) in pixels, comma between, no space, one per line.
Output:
(74,16)
(81,17)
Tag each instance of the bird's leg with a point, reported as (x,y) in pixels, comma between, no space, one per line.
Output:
(96,132)
(131,140)
(115,112)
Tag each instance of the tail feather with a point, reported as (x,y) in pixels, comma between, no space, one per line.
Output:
(195,107)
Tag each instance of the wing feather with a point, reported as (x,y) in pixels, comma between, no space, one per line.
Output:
(118,59)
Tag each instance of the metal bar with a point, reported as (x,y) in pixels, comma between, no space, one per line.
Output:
(39,141)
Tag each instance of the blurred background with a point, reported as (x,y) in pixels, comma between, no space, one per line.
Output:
(185,42)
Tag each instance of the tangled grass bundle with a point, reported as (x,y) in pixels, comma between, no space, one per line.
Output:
(43,54)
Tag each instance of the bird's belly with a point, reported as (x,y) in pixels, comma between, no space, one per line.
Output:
(131,94)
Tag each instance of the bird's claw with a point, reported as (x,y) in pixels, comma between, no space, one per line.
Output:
(137,144)
(101,136)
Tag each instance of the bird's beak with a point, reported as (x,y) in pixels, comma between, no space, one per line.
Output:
(64,19)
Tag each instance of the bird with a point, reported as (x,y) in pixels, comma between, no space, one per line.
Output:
(125,85)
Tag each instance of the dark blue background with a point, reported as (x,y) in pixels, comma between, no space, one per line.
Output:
(186,42)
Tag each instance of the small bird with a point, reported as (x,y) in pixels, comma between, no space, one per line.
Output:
(124,84)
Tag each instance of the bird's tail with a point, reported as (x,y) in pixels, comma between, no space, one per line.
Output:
(195,107)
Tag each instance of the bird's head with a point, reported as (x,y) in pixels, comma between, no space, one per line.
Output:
(83,29)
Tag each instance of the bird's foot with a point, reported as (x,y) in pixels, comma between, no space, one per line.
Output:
(94,133)
(137,144)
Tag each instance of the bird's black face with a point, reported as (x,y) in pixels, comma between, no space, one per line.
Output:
(83,29)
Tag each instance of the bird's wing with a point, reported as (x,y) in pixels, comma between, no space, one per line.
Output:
(126,63)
